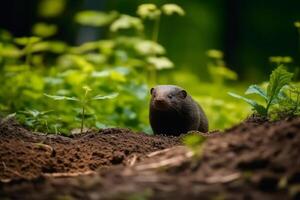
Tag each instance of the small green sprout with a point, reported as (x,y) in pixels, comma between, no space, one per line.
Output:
(35,119)
(194,142)
(278,79)
(83,101)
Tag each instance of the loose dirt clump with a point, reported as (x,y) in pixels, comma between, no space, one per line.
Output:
(254,160)
(28,155)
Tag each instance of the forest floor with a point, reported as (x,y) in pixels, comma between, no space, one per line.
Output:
(256,159)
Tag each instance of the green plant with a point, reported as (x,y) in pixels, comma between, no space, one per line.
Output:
(278,79)
(194,142)
(83,101)
(37,120)
(217,68)
(153,13)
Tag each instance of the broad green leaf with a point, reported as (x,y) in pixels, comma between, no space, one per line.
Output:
(95,18)
(27,40)
(60,98)
(148,47)
(278,79)
(44,30)
(51,8)
(255,89)
(259,108)
(170,9)
(127,22)
(101,97)
(148,11)
(160,62)
(214,53)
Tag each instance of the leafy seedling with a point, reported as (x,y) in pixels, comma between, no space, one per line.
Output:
(35,119)
(278,79)
(84,101)
(194,142)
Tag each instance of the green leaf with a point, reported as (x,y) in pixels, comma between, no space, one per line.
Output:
(255,89)
(60,98)
(101,97)
(44,30)
(148,11)
(160,62)
(147,47)
(27,40)
(51,8)
(95,18)
(259,108)
(278,79)
(127,22)
(170,9)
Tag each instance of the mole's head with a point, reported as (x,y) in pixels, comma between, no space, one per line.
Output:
(167,97)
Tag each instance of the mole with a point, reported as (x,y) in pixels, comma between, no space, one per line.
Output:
(173,111)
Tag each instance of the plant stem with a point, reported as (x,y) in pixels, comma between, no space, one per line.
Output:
(155,33)
(156,29)
(28,54)
(82,118)
(83,109)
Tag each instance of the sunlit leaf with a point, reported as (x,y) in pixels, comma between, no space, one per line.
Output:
(95,18)
(51,8)
(170,9)
(60,98)
(44,30)
(147,47)
(160,62)
(27,40)
(259,108)
(101,97)
(278,79)
(117,76)
(127,22)
(148,11)
(214,53)
(255,89)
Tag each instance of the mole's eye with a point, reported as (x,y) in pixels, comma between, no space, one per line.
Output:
(152,91)
(170,96)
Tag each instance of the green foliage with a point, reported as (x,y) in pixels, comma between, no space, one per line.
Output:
(37,120)
(44,30)
(83,101)
(126,61)
(51,8)
(95,18)
(278,79)
(217,68)
(194,142)
(127,22)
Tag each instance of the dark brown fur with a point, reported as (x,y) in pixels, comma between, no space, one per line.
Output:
(173,111)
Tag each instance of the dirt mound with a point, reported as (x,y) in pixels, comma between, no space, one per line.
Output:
(27,155)
(254,160)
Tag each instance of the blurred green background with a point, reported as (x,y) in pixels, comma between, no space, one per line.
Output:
(247,33)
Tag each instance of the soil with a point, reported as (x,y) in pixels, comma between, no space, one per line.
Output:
(256,159)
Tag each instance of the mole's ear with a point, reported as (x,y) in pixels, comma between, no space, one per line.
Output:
(151,90)
(183,94)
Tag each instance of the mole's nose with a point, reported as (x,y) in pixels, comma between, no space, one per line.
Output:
(159,101)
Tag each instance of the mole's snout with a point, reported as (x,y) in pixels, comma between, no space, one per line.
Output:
(160,104)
